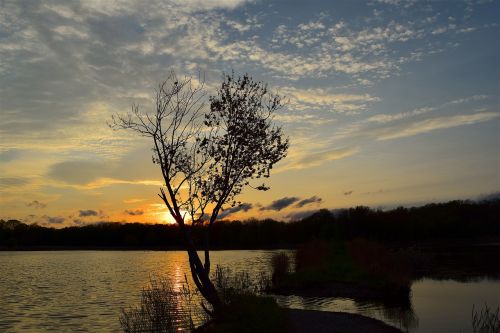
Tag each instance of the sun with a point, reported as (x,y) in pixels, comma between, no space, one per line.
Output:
(160,214)
(167,218)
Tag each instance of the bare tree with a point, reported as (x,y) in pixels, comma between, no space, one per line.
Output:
(208,156)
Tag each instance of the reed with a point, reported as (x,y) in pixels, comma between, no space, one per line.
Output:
(280,266)
(162,309)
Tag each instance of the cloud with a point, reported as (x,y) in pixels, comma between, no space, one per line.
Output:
(319,98)
(65,67)
(133,200)
(419,120)
(432,124)
(136,212)
(78,172)
(54,219)
(36,204)
(245,207)
(311,200)
(7,182)
(295,216)
(348,192)
(397,2)
(386,118)
(87,213)
(280,204)
(135,167)
(9,155)
(317,158)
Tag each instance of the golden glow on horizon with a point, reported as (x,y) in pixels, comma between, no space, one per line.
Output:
(167,218)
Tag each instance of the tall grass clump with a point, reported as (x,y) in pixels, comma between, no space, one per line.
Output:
(229,283)
(280,266)
(486,320)
(162,309)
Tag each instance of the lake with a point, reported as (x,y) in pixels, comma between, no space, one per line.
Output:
(83,291)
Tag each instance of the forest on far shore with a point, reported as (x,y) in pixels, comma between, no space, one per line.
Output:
(454,220)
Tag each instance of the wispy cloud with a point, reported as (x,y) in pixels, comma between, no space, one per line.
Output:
(317,158)
(318,98)
(385,118)
(7,182)
(434,124)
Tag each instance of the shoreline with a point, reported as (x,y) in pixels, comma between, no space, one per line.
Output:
(350,290)
(303,321)
(432,245)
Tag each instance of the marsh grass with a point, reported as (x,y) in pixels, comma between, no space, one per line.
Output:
(486,320)
(229,283)
(280,267)
(163,309)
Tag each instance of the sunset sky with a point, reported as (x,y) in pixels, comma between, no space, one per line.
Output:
(390,102)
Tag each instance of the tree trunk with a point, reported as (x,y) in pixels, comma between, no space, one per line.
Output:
(200,276)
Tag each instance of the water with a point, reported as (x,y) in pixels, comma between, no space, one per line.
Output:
(83,291)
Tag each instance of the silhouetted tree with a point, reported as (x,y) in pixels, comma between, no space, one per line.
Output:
(207,158)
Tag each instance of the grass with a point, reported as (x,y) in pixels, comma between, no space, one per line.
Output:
(162,309)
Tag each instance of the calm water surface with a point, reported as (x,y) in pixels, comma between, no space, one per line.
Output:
(83,291)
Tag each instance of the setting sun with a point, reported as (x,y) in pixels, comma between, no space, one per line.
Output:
(167,218)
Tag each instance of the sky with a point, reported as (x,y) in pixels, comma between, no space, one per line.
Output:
(389,102)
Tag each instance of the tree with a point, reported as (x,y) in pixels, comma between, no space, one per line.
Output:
(207,157)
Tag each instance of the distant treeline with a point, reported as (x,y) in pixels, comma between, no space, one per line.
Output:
(451,220)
